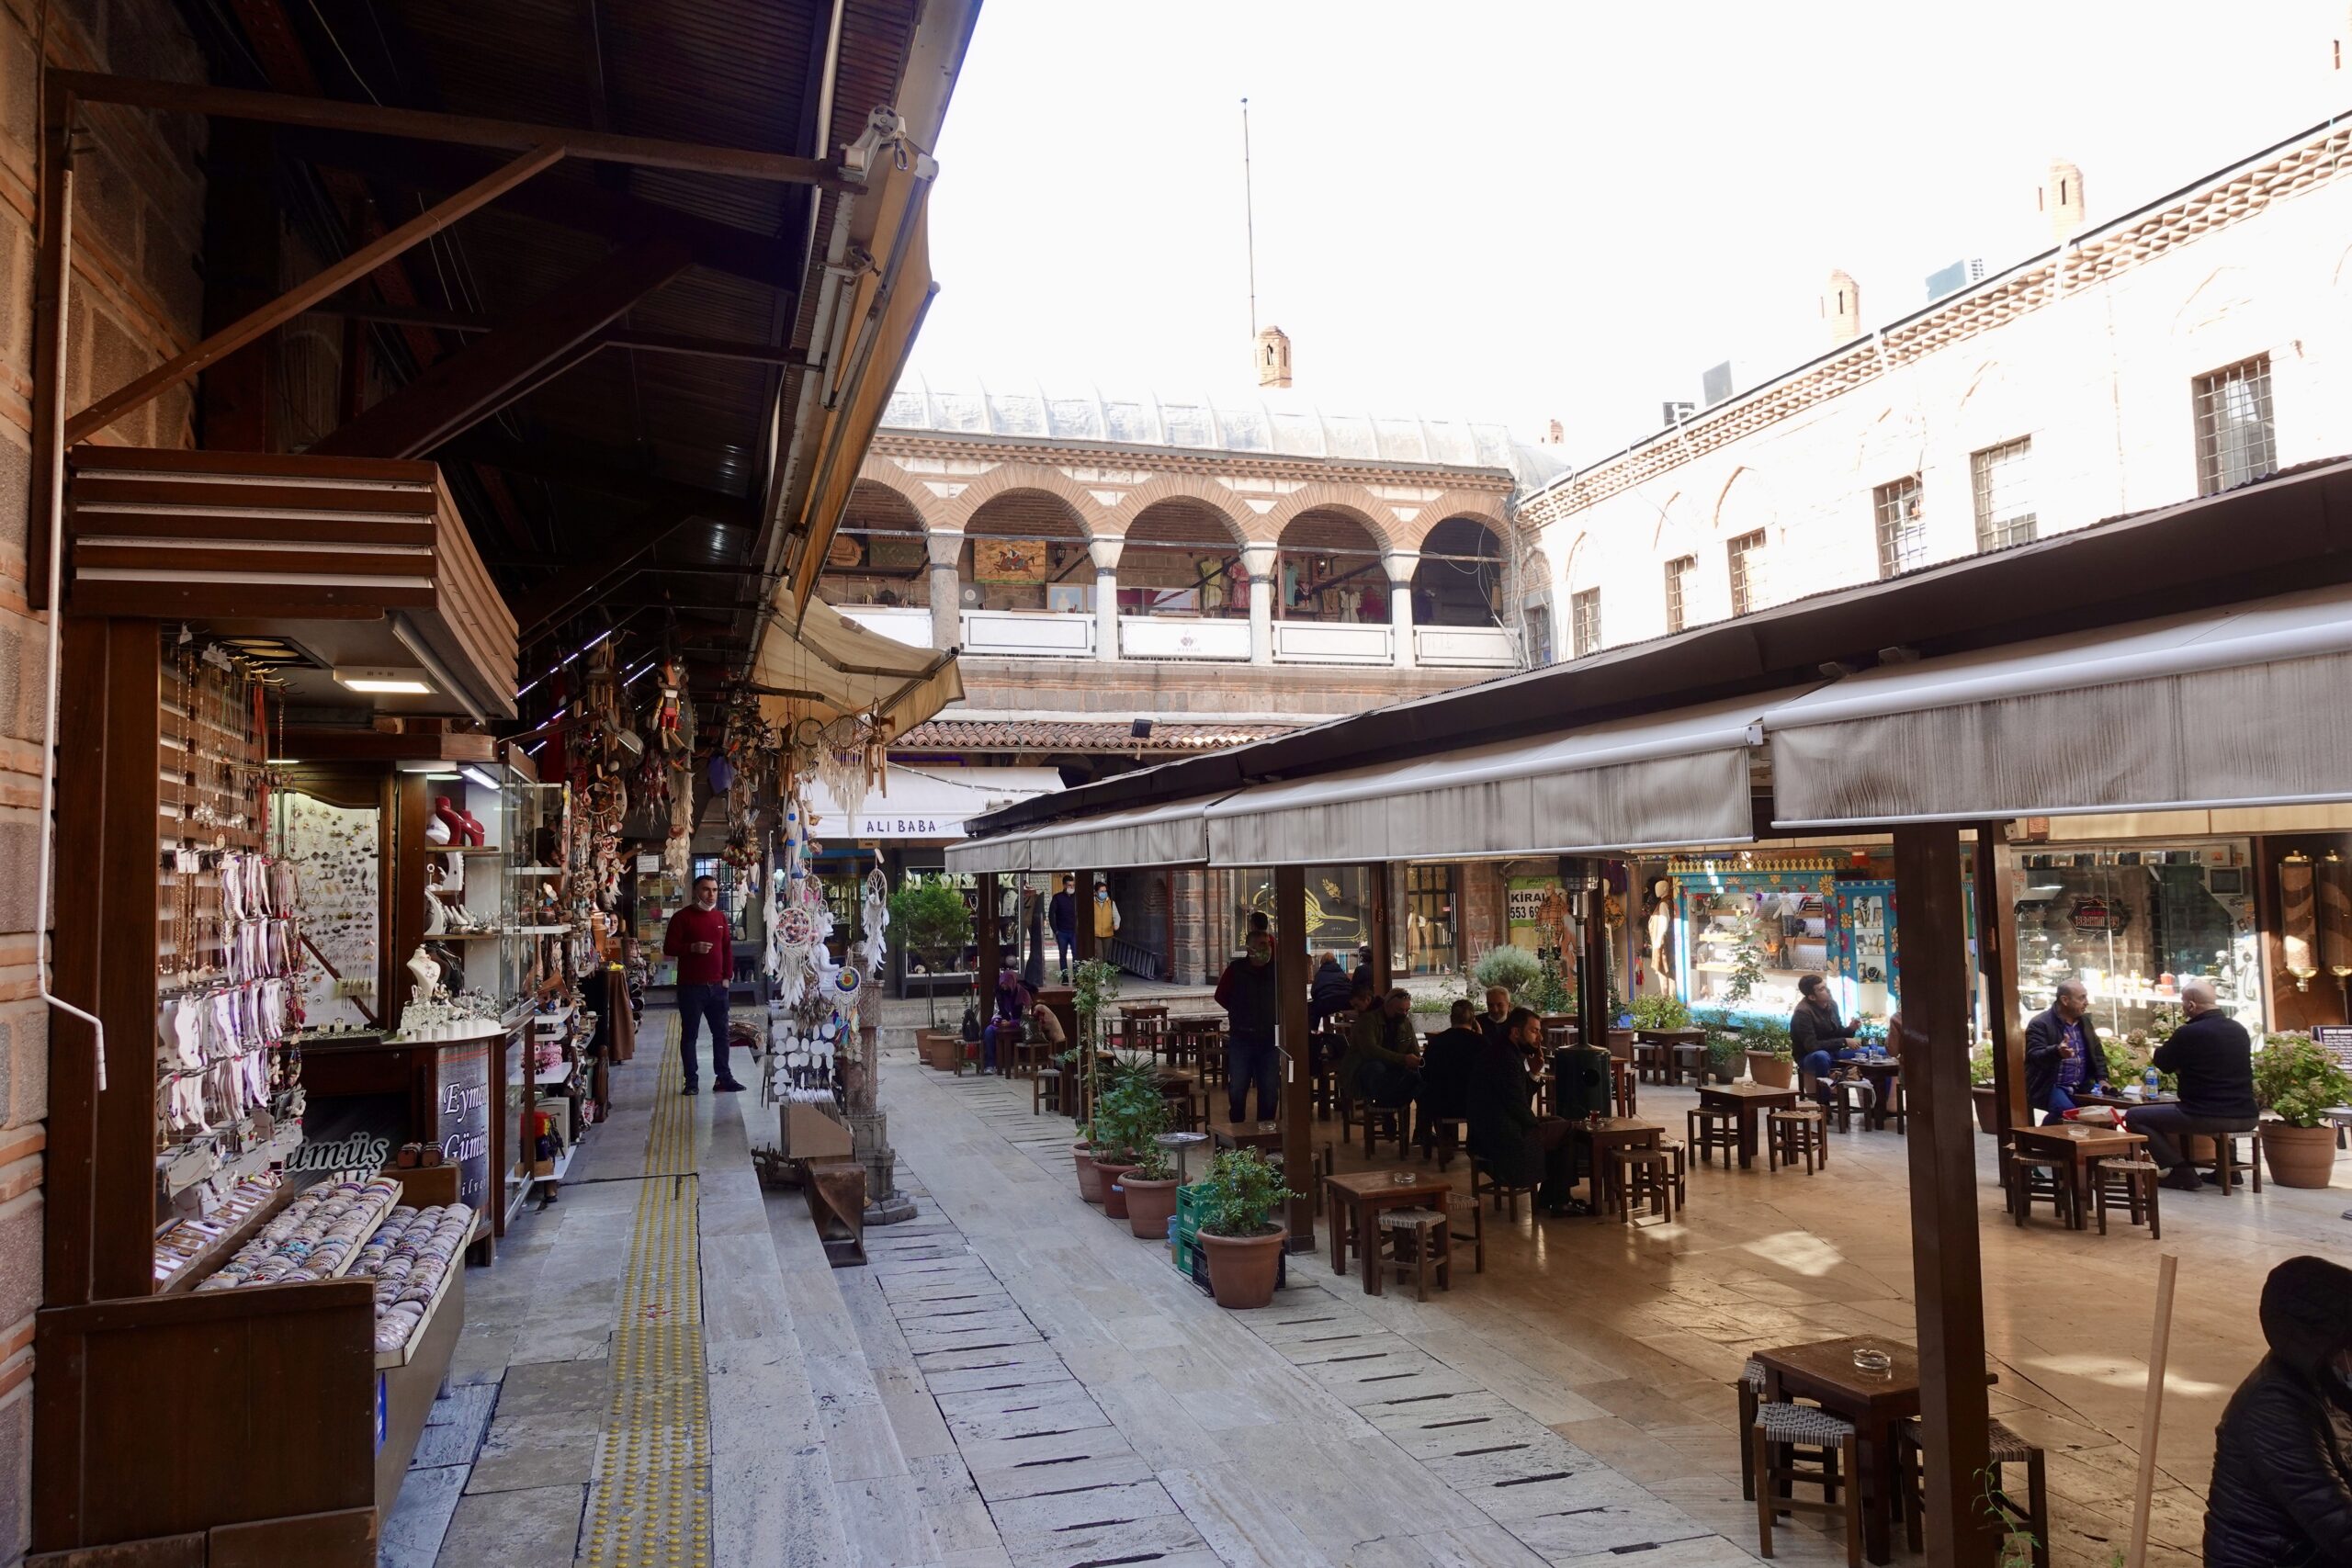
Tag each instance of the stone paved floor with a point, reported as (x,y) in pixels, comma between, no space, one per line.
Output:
(1014,1380)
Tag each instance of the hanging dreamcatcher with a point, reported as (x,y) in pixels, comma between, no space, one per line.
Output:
(873,947)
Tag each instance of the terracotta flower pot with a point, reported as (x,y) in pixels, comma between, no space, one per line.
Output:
(2300,1156)
(1150,1205)
(1242,1268)
(1115,1195)
(1986,1107)
(1090,1180)
(1771,1070)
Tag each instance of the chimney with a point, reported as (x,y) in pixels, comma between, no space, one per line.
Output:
(2062,197)
(1556,436)
(1841,306)
(1273,358)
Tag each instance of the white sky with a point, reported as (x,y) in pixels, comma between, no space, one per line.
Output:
(1522,211)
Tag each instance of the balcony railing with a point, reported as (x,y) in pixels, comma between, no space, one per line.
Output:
(1028,634)
(1334,642)
(1150,637)
(900,624)
(1480,648)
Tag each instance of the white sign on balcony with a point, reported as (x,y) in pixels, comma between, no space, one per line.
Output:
(1483,648)
(898,623)
(1152,637)
(1028,634)
(1334,642)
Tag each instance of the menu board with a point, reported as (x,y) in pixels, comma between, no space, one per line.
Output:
(462,1120)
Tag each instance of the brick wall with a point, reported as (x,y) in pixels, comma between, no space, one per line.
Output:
(136,298)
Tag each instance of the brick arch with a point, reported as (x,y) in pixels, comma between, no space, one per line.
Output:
(1582,561)
(914,492)
(1094,519)
(1676,535)
(1239,518)
(1744,504)
(1378,517)
(1487,508)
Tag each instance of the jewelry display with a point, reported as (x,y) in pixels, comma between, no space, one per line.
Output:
(313,1237)
(408,1257)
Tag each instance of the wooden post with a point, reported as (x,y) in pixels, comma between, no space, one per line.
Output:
(1384,959)
(1592,959)
(990,956)
(1996,946)
(1292,978)
(1085,948)
(2152,1411)
(1946,1277)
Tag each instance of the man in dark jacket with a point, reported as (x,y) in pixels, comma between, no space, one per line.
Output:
(2214,1059)
(1061,914)
(1521,1147)
(1383,1065)
(2281,1495)
(1246,992)
(1495,1023)
(1819,1038)
(1448,1058)
(1328,993)
(2062,1054)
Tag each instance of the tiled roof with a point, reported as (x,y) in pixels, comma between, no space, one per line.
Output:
(1077,735)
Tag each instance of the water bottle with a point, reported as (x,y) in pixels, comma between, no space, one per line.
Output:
(2150,1085)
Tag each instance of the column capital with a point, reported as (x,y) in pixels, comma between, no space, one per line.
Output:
(944,547)
(1106,549)
(1400,564)
(1258,559)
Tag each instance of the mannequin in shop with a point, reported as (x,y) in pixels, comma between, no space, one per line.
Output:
(427,971)
(1661,926)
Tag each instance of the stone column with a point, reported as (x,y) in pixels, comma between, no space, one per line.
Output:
(1400,565)
(1106,550)
(1258,560)
(947,548)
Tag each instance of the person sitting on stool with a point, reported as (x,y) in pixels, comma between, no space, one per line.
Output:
(2214,1059)
(1819,1038)
(2062,1056)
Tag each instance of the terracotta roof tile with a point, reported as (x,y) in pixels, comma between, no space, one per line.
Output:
(1077,735)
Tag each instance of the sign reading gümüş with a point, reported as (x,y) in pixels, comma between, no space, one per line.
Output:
(463,1115)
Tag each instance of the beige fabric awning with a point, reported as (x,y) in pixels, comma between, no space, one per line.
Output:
(2223,707)
(1175,834)
(816,663)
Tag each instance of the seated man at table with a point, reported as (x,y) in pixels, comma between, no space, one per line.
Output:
(1448,1058)
(1819,1038)
(2062,1056)
(1495,1023)
(1519,1148)
(2214,1059)
(1382,1067)
(1327,994)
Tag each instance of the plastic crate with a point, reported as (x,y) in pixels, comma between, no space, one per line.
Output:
(1191,1259)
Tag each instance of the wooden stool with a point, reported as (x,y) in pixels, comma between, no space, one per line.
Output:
(1460,1206)
(1688,1058)
(1386,1122)
(1679,1158)
(1791,1136)
(2225,1164)
(1711,1130)
(2128,1185)
(1451,1132)
(1848,1097)
(1421,1240)
(1750,1390)
(1627,1091)
(1652,1060)
(1046,1084)
(1480,1171)
(1644,1175)
(1778,1431)
(2033,1176)
(2005,1447)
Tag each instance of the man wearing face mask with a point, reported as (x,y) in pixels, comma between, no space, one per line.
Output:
(700,938)
(2282,1462)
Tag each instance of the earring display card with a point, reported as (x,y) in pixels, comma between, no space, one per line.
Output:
(335,850)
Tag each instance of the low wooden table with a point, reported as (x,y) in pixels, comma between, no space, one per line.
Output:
(1747,1101)
(1360,1196)
(1875,1403)
(1245,1136)
(2089,1145)
(1881,1072)
(1601,1136)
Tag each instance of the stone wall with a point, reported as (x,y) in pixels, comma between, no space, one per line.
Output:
(136,298)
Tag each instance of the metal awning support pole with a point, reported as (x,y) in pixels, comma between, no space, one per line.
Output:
(1996,947)
(1593,963)
(1292,978)
(985,939)
(1383,961)
(1942,1150)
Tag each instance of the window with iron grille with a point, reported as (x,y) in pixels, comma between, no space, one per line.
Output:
(2002,476)
(1539,633)
(1747,554)
(1584,620)
(1902,537)
(1677,576)
(2236,440)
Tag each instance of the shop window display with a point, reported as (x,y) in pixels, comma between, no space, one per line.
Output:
(1751,928)
(1338,909)
(2132,922)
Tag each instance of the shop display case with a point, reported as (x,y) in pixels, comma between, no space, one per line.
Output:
(2132,922)
(659,896)
(1768,929)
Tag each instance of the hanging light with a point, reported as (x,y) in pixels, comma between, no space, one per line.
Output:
(2298,940)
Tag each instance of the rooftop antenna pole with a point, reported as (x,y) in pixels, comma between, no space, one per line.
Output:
(1250,219)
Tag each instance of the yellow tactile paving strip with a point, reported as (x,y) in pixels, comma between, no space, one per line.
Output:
(650,1507)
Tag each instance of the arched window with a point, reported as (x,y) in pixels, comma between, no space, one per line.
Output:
(1025,550)
(1183,558)
(1459,579)
(878,556)
(1329,569)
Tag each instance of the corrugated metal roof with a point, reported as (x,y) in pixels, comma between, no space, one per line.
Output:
(1077,735)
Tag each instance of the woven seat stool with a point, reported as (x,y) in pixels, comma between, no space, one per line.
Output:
(2224,1163)
(1794,1135)
(2004,1448)
(1420,1240)
(1680,1158)
(1777,1433)
(1449,1133)
(1643,1176)
(1483,1185)
(1462,1209)
(2128,1186)
(2035,1177)
(1711,1130)
(1386,1122)
(1045,1085)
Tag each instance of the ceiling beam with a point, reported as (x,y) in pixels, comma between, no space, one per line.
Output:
(566,463)
(484,377)
(612,337)
(469,130)
(595,571)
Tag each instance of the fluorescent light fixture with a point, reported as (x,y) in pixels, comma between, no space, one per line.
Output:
(387,681)
(282,762)
(441,778)
(479,776)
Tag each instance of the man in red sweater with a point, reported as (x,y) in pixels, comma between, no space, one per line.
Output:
(700,939)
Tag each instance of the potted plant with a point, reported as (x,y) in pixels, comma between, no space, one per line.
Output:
(929,919)
(1770,1056)
(1980,1087)
(1514,968)
(1094,985)
(2298,1082)
(1238,1234)
(1151,1194)
(1090,1179)
(1128,1116)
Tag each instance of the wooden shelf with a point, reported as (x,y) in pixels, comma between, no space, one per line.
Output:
(212,1257)
(400,1358)
(460,849)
